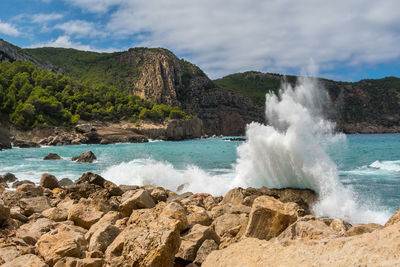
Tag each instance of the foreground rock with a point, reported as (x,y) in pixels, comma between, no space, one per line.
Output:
(85,157)
(26,260)
(48,181)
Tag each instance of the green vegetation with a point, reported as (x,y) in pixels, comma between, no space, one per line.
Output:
(253,84)
(32,97)
(89,67)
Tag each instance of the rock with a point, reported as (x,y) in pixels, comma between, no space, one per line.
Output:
(86,157)
(25,144)
(4,213)
(193,239)
(395,218)
(229,225)
(103,237)
(30,190)
(75,262)
(64,241)
(30,260)
(153,244)
(197,215)
(110,218)
(378,248)
(270,217)
(9,253)
(174,210)
(32,231)
(52,156)
(140,200)
(159,194)
(9,177)
(18,216)
(84,213)
(65,182)
(91,178)
(340,226)
(34,205)
(48,181)
(308,228)
(360,229)
(5,142)
(112,188)
(18,183)
(205,249)
(56,214)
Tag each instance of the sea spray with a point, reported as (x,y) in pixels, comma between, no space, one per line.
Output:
(290,152)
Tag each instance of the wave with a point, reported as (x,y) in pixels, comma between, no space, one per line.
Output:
(392,166)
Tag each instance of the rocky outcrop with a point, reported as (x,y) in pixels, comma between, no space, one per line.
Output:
(52,156)
(85,157)
(5,142)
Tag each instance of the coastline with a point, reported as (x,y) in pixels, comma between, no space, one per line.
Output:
(93,221)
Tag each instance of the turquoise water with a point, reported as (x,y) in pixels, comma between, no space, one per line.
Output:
(370,164)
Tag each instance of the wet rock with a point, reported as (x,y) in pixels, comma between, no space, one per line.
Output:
(360,229)
(86,157)
(270,217)
(9,177)
(52,156)
(48,181)
(26,260)
(65,182)
(64,241)
(25,144)
(140,200)
(193,239)
(84,213)
(34,205)
(205,249)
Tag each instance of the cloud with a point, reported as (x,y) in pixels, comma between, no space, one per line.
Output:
(43,18)
(80,28)
(8,29)
(276,36)
(95,6)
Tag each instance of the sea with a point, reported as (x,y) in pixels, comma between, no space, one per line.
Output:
(357,177)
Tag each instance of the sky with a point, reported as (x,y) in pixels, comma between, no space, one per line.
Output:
(347,40)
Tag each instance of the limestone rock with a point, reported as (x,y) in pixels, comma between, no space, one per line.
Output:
(34,205)
(48,181)
(110,218)
(30,190)
(340,226)
(9,253)
(395,218)
(56,214)
(205,249)
(197,215)
(61,242)
(30,260)
(18,183)
(270,217)
(140,200)
(103,237)
(159,194)
(33,230)
(4,212)
(84,213)
(52,156)
(86,157)
(360,229)
(192,240)
(174,210)
(229,225)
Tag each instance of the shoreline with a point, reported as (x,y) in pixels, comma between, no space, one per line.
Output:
(92,220)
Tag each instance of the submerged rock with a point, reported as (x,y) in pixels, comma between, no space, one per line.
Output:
(9,177)
(86,157)
(52,156)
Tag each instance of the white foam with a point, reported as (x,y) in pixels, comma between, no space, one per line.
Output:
(392,166)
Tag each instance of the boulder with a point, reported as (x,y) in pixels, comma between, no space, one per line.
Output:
(174,210)
(75,262)
(34,205)
(91,178)
(193,239)
(64,241)
(110,218)
(197,215)
(159,194)
(360,229)
(48,181)
(86,157)
(9,253)
(30,260)
(140,200)
(65,182)
(56,214)
(103,237)
(270,217)
(30,190)
(9,177)
(394,219)
(4,213)
(340,226)
(84,213)
(33,230)
(205,249)
(25,144)
(229,225)
(52,156)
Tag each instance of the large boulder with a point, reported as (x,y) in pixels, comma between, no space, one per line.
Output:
(205,249)
(30,190)
(270,217)
(86,157)
(197,215)
(85,213)
(230,227)
(140,200)
(26,260)
(48,181)
(9,177)
(32,231)
(174,210)
(193,239)
(103,237)
(52,156)
(34,205)
(110,218)
(64,241)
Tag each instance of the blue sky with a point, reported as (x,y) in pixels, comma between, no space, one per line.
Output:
(346,39)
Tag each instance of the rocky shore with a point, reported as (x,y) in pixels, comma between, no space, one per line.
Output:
(93,222)
(102,133)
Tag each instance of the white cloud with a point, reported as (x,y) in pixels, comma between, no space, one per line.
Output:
(43,18)
(80,28)
(276,35)
(8,29)
(95,6)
